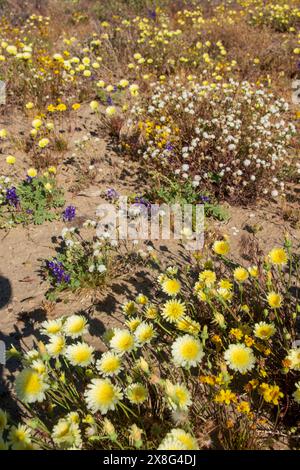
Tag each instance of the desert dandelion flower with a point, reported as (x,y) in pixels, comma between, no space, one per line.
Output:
(56,345)
(239,357)
(80,354)
(171,286)
(187,351)
(263,330)
(240,274)
(51,327)
(144,333)
(19,437)
(173,310)
(102,395)
(75,326)
(122,341)
(31,386)
(274,300)
(109,364)
(221,247)
(136,393)
(179,396)
(278,256)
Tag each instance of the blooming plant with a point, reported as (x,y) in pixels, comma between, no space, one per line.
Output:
(84,259)
(212,345)
(229,138)
(34,200)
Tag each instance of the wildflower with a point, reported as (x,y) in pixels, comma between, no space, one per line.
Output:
(141,299)
(12,50)
(263,330)
(271,393)
(123,83)
(178,439)
(56,345)
(274,300)
(43,143)
(296,394)
(173,310)
(102,395)
(178,395)
(109,429)
(134,89)
(225,396)
(278,256)
(151,312)
(240,274)
(48,186)
(293,358)
(94,105)
(61,107)
(80,354)
(32,172)
(122,341)
(187,351)
(129,308)
(110,111)
(221,247)
(58,272)
(236,333)
(37,123)
(75,326)
(19,437)
(29,105)
(110,364)
(66,434)
(244,407)
(171,286)
(239,357)
(30,386)
(52,169)
(144,333)
(253,271)
(207,277)
(10,160)
(135,436)
(12,197)
(3,133)
(136,393)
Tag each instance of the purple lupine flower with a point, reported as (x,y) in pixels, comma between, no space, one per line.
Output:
(109,101)
(152,14)
(12,197)
(169,147)
(29,179)
(204,198)
(58,271)
(69,213)
(111,193)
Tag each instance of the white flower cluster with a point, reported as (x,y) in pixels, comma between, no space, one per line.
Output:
(232,137)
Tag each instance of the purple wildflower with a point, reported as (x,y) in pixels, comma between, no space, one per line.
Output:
(12,197)
(58,272)
(111,193)
(69,213)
